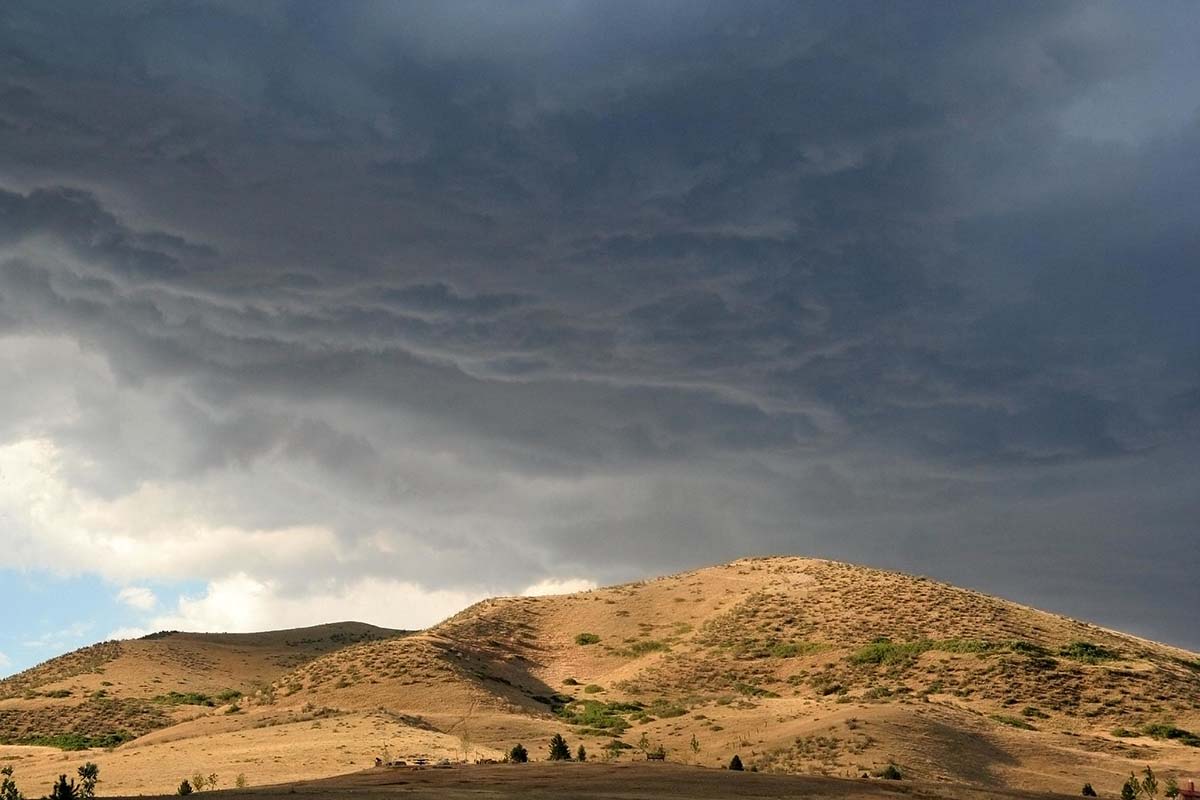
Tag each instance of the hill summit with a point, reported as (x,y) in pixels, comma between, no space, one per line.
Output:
(797,665)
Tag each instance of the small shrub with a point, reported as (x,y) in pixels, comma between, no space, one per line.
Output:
(240,780)
(646,646)
(1088,791)
(581,753)
(185,788)
(794,649)
(1163,731)
(1015,722)
(1034,712)
(890,773)
(735,763)
(570,682)
(586,638)
(592,688)
(1088,652)
(518,755)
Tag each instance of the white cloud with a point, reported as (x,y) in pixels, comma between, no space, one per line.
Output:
(5,661)
(241,603)
(71,636)
(138,597)
(558,586)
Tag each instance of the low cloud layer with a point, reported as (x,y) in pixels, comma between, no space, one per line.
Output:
(337,308)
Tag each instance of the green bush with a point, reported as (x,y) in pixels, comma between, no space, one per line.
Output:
(1015,722)
(735,763)
(73,741)
(586,638)
(599,715)
(593,688)
(185,699)
(891,773)
(1163,731)
(883,651)
(646,646)
(795,649)
(666,710)
(184,789)
(1088,653)
(518,755)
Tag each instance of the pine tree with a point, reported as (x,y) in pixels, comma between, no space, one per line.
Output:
(559,751)
(184,789)
(1149,783)
(518,755)
(8,787)
(1172,790)
(89,776)
(1131,788)
(63,790)
(581,753)
(735,763)
(1088,791)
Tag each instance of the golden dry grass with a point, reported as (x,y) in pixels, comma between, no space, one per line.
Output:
(780,660)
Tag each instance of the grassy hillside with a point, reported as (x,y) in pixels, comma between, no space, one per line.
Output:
(116,691)
(797,665)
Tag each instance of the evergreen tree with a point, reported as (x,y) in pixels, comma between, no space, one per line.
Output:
(1088,791)
(1131,788)
(1149,783)
(735,763)
(559,751)
(184,789)
(63,790)
(8,787)
(518,755)
(581,753)
(1172,790)
(89,776)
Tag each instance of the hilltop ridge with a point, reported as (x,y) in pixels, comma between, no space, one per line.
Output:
(800,665)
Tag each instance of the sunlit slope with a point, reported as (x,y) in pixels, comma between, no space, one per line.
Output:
(814,665)
(119,690)
(797,665)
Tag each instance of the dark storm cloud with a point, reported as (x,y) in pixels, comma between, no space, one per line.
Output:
(646,284)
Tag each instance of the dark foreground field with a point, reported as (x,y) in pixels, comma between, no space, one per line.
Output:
(596,781)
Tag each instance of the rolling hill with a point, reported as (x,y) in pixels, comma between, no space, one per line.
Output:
(799,665)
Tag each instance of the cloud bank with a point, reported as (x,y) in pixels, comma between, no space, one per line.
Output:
(346,308)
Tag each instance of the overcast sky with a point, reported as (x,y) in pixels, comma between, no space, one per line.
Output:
(313,311)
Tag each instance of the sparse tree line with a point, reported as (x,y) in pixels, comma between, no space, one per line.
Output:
(200,782)
(89,776)
(63,788)
(1144,788)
